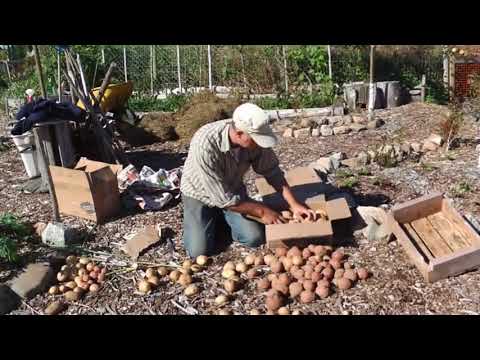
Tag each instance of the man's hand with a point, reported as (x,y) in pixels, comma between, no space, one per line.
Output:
(302,212)
(270,217)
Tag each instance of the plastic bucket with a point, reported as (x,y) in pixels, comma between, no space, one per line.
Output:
(26,148)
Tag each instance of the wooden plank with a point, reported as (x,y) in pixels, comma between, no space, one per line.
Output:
(431,238)
(455,264)
(460,224)
(410,231)
(418,208)
(447,231)
(412,253)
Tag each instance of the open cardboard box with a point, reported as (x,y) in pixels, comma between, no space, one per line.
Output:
(307,187)
(89,191)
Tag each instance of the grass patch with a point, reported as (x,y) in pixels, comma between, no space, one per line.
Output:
(461,189)
(10,230)
(428,167)
(349,183)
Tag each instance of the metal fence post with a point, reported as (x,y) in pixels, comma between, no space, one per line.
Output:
(209,67)
(285,70)
(125,63)
(103,56)
(151,69)
(329,61)
(178,69)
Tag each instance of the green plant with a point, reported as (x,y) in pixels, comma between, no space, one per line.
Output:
(349,182)
(461,189)
(10,229)
(428,167)
(386,159)
(342,174)
(364,172)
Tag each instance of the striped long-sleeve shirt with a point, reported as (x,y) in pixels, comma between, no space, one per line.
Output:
(214,170)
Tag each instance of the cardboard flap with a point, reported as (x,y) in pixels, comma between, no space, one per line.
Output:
(90,166)
(294,177)
(281,232)
(338,209)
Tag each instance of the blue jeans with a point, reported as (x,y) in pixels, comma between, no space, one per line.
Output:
(201,224)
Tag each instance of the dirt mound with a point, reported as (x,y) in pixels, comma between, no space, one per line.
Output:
(201,109)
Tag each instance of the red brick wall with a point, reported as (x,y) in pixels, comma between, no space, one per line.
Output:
(462,73)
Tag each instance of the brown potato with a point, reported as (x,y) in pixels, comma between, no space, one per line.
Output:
(339,273)
(276,266)
(338,255)
(294,251)
(306,253)
(308,285)
(316,276)
(351,275)
(344,283)
(263,284)
(249,259)
(259,261)
(307,296)
(281,252)
(363,273)
(322,292)
(295,289)
(328,273)
(274,302)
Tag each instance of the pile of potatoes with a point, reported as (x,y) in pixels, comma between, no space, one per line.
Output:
(77,277)
(292,219)
(182,276)
(302,275)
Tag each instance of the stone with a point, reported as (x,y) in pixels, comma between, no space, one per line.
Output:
(335,120)
(436,139)
(374,124)
(416,147)
(9,300)
(352,163)
(336,158)
(371,214)
(347,120)
(55,308)
(321,120)
(363,158)
(359,119)
(288,133)
(326,130)
(429,146)
(316,132)
(307,122)
(377,232)
(58,235)
(36,278)
(387,149)
(358,127)
(406,148)
(341,130)
(323,164)
(39,227)
(302,133)
(372,155)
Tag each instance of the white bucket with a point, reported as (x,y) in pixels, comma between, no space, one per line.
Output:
(25,145)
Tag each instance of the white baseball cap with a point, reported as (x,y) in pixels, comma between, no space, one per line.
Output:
(254,121)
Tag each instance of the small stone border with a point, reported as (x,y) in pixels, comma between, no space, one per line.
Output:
(330,125)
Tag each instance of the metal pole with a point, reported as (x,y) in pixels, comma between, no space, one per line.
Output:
(125,63)
(59,78)
(285,70)
(446,67)
(151,69)
(372,87)
(209,67)
(329,61)
(103,56)
(39,71)
(178,69)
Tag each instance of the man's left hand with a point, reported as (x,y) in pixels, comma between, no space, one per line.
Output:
(301,211)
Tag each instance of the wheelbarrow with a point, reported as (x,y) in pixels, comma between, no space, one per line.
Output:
(114,98)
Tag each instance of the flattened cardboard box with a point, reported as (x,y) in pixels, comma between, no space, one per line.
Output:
(307,187)
(89,191)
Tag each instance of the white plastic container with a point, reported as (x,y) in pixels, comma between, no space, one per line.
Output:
(25,145)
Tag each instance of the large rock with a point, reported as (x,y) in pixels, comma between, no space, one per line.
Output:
(353,163)
(9,300)
(307,123)
(429,146)
(302,133)
(374,124)
(338,110)
(316,132)
(320,120)
(323,164)
(36,278)
(341,130)
(436,139)
(288,133)
(406,148)
(335,120)
(363,158)
(336,158)
(370,214)
(358,127)
(59,235)
(359,119)
(326,130)
(347,120)
(416,147)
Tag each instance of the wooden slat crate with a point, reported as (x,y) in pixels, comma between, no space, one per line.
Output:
(435,237)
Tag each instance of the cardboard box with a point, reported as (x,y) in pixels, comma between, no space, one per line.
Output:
(308,188)
(89,191)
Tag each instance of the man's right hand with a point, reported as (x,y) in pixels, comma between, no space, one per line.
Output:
(270,217)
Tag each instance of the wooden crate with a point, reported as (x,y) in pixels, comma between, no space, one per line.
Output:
(435,236)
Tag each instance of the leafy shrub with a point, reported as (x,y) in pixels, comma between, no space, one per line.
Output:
(148,104)
(10,229)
